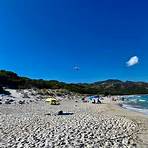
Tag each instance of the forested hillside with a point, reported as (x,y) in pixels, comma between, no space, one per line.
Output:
(11,80)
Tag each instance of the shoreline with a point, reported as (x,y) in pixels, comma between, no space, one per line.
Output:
(138,110)
(139,118)
(131,107)
(125,105)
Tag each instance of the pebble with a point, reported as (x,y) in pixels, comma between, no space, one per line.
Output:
(27,127)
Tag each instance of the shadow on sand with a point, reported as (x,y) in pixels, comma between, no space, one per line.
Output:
(66,114)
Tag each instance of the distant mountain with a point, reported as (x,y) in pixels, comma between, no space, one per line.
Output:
(10,79)
(109,81)
(121,87)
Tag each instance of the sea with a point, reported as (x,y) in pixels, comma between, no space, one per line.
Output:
(137,103)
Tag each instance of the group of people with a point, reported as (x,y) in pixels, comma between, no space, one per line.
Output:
(92,99)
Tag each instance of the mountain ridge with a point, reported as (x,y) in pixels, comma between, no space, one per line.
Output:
(10,79)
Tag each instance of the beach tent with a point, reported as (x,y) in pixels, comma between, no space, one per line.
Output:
(52,101)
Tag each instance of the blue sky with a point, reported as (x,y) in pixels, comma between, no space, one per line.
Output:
(47,39)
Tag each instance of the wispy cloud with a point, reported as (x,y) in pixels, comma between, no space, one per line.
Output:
(132,61)
(77,68)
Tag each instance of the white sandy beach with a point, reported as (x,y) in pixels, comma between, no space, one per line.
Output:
(37,124)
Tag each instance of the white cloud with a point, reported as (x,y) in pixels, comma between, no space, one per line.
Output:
(132,61)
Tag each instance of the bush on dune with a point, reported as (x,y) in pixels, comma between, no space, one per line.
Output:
(2,91)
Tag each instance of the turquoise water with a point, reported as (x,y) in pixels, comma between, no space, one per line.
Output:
(138,103)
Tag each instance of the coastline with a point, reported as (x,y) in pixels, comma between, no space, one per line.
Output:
(126,105)
(141,119)
(131,108)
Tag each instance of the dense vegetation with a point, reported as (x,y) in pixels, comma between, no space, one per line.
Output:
(2,91)
(12,80)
